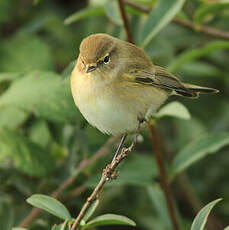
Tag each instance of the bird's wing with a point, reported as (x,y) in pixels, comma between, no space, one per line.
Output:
(160,78)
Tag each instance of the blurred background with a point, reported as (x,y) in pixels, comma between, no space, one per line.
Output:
(44,138)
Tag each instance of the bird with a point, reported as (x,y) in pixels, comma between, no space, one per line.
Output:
(115,85)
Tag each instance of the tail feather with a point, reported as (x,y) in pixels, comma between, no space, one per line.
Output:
(193,91)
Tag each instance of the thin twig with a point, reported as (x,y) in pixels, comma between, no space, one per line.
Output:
(163,175)
(108,174)
(202,29)
(125,20)
(105,149)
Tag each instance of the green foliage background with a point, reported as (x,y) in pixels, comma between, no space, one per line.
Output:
(43,137)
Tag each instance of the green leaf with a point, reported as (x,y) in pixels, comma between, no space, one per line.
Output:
(19,228)
(159,203)
(159,17)
(174,109)
(201,218)
(113,12)
(193,54)
(39,133)
(227,228)
(28,156)
(12,117)
(43,93)
(50,205)
(24,53)
(91,210)
(7,213)
(84,13)
(198,149)
(209,9)
(109,219)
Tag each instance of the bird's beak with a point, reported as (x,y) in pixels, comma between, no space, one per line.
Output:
(91,68)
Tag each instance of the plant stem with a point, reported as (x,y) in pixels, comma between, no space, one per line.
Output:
(163,175)
(108,174)
(125,21)
(105,149)
(155,143)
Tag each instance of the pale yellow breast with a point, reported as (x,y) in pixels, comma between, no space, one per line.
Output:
(115,107)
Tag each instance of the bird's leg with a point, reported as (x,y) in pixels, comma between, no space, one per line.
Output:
(119,147)
(111,174)
(108,171)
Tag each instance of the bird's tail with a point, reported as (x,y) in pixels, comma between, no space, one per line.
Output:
(193,91)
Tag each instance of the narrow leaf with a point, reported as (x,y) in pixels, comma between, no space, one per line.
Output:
(159,203)
(19,228)
(174,109)
(50,205)
(159,18)
(201,218)
(84,13)
(198,149)
(109,219)
(209,9)
(193,54)
(113,12)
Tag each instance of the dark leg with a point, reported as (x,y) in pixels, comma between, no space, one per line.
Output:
(119,147)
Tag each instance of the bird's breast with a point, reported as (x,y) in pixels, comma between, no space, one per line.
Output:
(114,108)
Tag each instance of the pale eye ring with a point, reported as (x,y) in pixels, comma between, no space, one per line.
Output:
(106,60)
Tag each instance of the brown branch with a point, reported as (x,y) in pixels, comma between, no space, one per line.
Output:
(108,174)
(82,166)
(156,145)
(203,29)
(163,175)
(125,20)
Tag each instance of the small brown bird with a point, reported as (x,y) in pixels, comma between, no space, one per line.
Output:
(114,84)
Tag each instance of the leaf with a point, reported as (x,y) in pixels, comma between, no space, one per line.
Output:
(159,17)
(12,117)
(91,210)
(201,218)
(113,12)
(24,53)
(227,228)
(28,156)
(174,109)
(39,133)
(43,93)
(50,205)
(193,54)
(19,228)
(109,219)
(84,13)
(209,9)
(198,149)
(159,203)
(7,214)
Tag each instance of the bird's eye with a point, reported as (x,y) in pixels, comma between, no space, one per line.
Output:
(106,59)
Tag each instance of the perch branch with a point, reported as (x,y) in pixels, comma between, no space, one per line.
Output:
(108,174)
(84,164)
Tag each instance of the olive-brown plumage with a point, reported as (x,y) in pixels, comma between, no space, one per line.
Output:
(114,83)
